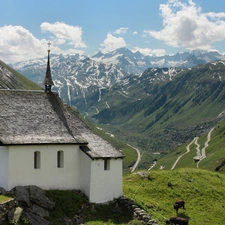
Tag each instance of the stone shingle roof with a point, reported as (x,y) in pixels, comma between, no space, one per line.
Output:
(36,117)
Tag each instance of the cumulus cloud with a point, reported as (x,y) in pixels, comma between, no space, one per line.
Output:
(148,51)
(65,33)
(135,32)
(111,43)
(184,25)
(122,30)
(17,43)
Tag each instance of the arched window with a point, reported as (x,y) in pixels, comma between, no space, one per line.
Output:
(60,159)
(106,164)
(37,160)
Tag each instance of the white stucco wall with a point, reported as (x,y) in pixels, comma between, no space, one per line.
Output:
(79,171)
(22,172)
(105,184)
(4,167)
(85,173)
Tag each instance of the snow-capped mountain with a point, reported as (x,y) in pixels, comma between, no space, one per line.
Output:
(81,80)
(135,62)
(74,76)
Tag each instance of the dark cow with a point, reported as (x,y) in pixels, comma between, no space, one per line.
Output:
(177,221)
(178,204)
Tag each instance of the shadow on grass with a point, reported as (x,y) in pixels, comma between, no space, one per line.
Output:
(73,204)
(183,215)
(112,213)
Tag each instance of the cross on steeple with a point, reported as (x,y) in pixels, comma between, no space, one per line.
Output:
(49,44)
(48,78)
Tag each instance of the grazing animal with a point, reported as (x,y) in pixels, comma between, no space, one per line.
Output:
(178,204)
(177,221)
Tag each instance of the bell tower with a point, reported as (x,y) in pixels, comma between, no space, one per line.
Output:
(48,78)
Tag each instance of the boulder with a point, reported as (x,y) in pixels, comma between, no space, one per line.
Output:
(2,191)
(39,211)
(37,196)
(21,194)
(35,219)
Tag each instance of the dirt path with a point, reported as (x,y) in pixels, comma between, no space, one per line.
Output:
(138,159)
(198,151)
(154,163)
(188,150)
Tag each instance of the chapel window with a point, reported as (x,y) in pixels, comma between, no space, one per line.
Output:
(106,164)
(60,159)
(37,160)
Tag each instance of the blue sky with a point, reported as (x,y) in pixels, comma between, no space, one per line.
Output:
(154,27)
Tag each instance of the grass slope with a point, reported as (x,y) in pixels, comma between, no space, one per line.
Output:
(203,192)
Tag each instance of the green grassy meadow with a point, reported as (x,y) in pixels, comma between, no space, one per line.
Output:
(203,192)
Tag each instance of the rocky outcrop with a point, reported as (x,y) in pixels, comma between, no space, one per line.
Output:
(6,207)
(33,205)
(30,204)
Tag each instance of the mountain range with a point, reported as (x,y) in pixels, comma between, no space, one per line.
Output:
(153,108)
(135,62)
(76,77)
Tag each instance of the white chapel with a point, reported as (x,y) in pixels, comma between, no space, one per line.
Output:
(43,142)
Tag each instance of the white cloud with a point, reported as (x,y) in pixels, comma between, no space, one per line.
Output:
(148,51)
(135,32)
(122,30)
(17,44)
(186,26)
(65,33)
(111,43)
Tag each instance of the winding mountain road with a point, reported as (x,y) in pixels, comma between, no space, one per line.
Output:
(188,150)
(138,159)
(206,145)
(200,154)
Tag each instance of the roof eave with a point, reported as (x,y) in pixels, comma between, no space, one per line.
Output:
(48,143)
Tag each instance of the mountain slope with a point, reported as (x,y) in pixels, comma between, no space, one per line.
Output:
(164,113)
(10,79)
(215,152)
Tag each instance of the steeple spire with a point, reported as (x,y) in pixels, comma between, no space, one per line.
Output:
(48,78)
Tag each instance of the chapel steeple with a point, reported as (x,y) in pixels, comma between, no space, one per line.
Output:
(48,78)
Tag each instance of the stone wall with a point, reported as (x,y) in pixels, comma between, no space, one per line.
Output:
(5,207)
(138,212)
